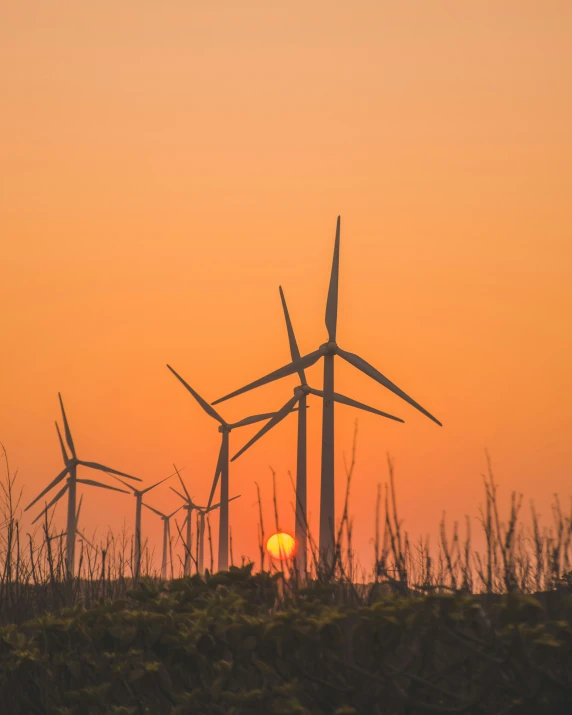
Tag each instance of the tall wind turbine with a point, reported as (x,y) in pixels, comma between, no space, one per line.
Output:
(138,494)
(301,393)
(70,469)
(328,351)
(222,466)
(166,536)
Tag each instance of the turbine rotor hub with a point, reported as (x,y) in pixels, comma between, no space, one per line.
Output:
(224,428)
(329,348)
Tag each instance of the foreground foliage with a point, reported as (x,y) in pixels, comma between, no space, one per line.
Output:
(232,643)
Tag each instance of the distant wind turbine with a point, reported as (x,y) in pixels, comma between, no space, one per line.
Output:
(138,494)
(71,465)
(166,536)
(328,351)
(301,393)
(201,513)
(189,506)
(222,466)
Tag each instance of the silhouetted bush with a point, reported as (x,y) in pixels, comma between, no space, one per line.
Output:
(231,643)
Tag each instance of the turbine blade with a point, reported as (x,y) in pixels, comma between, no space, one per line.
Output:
(218,471)
(64,453)
(182,483)
(93,483)
(78,510)
(278,417)
(69,439)
(253,419)
(290,369)
(124,483)
(157,483)
(216,506)
(102,468)
(163,516)
(294,352)
(179,494)
(354,403)
(369,370)
(332,303)
(205,405)
(53,483)
(174,512)
(58,496)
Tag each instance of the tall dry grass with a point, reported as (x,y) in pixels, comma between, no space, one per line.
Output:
(527,558)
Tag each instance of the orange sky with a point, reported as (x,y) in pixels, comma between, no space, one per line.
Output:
(165,166)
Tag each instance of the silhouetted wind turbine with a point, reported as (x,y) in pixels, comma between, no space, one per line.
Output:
(138,494)
(301,393)
(328,351)
(71,465)
(166,536)
(201,513)
(222,466)
(189,506)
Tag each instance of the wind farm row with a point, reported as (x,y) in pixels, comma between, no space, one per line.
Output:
(328,351)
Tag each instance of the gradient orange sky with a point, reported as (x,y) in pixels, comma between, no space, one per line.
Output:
(165,166)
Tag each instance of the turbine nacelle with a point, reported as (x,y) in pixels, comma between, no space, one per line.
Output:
(301,391)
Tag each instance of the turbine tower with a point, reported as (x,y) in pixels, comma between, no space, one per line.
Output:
(71,465)
(301,393)
(222,466)
(138,494)
(166,536)
(328,351)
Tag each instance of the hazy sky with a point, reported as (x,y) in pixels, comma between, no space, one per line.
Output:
(166,165)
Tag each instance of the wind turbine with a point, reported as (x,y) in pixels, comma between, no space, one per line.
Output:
(71,465)
(301,393)
(222,466)
(189,506)
(328,351)
(138,494)
(201,513)
(166,536)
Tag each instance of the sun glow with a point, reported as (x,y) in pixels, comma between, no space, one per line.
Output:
(281,546)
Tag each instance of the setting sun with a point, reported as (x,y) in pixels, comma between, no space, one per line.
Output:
(281,546)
